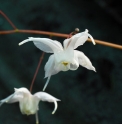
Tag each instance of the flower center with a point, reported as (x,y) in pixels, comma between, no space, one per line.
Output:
(65,63)
(27,112)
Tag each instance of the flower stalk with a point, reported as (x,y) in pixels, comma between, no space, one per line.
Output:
(9,21)
(37,69)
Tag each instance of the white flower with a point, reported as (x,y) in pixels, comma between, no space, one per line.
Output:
(28,103)
(65,57)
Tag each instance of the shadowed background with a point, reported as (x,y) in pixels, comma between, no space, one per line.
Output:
(86,97)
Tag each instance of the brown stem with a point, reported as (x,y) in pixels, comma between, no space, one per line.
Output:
(37,69)
(7,32)
(44,33)
(9,21)
(49,33)
(58,35)
(107,44)
(73,33)
(34,32)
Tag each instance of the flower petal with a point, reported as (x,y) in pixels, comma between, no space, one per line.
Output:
(15,97)
(77,40)
(66,42)
(45,44)
(43,96)
(49,67)
(75,63)
(74,66)
(66,55)
(84,60)
(47,97)
(50,70)
(6,99)
(22,90)
(11,99)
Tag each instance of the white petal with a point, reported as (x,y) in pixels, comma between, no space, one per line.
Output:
(74,66)
(45,44)
(43,96)
(67,55)
(77,40)
(6,99)
(66,43)
(50,70)
(22,90)
(47,97)
(49,67)
(75,63)
(15,97)
(84,60)
(11,99)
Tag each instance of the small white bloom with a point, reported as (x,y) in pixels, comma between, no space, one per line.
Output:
(65,57)
(28,103)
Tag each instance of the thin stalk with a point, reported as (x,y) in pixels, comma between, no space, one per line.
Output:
(37,69)
(107,44)
(9,21)
(37,119)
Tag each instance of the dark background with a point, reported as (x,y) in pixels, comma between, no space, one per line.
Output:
(86,97)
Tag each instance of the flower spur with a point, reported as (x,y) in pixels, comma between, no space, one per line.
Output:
(64,57)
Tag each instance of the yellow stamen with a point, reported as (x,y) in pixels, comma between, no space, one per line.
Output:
(65,63)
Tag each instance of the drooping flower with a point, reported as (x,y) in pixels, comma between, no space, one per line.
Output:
(28,103)
(64,57)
